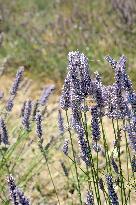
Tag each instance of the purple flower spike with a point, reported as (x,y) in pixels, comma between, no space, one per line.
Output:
(3,132)
(26,116)
(95,124)
(89,198)
(65,147)
(45,95)
(112,194)
(60,122)
(38,120)
(17,81)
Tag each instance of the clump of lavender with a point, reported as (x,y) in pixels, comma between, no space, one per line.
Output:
(60,122)
(17,81)
(45,95)
(17,196)
(38,120)
(89,198)
(95,124)
(27,114)
(3,132)
(133,163)
(112,194)
(65,147)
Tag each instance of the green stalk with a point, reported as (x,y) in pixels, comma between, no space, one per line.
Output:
(49,171)
(73,153)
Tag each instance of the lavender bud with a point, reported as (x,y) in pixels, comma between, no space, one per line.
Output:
(17,81)
(65,170)
(22,199)
(95,124)
(23,109)
(112,194)
(101,185)
(114,165)
(65,95)
(89,198)
(26,116)
(96,147)
(3,132)
(10,104)
(60,122)
(133,163)
(35,109)
(45,95)
(38,120)
(111,61)
(65,147)
(12,189)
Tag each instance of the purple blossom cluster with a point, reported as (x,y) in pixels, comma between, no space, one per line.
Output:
(16,195)
(89,198)
(45,95)
(112,194)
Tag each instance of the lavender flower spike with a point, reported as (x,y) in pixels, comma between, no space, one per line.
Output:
(3,132)
(89,198)
(17,81)
(112,194)
(60,122)
(22,199)
(95,124)
(65,147)
(38,120)
(133,163)
(45,95)
(10,104)
(13,191)
(17,196)
(26,116)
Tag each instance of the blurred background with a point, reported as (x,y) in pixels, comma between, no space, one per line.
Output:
(39,34)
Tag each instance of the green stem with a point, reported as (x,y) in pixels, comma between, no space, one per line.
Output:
(77,175)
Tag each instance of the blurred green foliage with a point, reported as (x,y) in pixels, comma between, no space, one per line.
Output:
(40,33)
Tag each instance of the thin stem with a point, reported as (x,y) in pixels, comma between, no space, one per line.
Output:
(73,153)
(49,171)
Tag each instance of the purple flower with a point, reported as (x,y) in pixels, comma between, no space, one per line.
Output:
(114,165)
(38,120)
(95,124)
(133,163)
(65,170)
(112,194)
(10,104)
(60,122)
(65,147)
(111,61)
(21,198)
(3,132)
(26,116)
(45,95)
(17,81)
(35,109)
(131,129)
(13,190)
(17,196)
(89,198)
